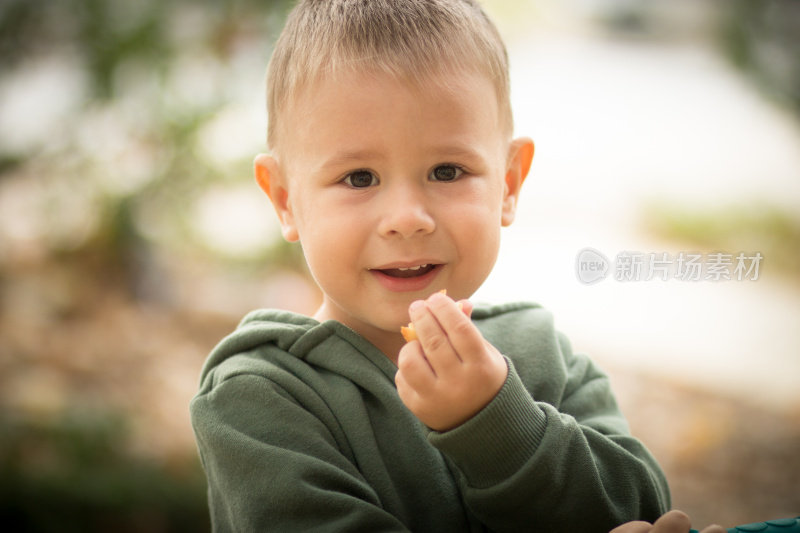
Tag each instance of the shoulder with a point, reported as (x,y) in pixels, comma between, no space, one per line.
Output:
(519,327)
(293,352)
(525,333)
(259,346)
(259,364)
(525,315)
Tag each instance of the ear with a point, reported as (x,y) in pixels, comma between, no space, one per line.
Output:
(272,181)
(518,163)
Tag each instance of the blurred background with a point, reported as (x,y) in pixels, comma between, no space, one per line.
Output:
(133,237)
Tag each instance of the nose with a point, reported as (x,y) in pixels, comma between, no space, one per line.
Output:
(406,212)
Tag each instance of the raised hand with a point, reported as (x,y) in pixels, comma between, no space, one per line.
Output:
(450,372)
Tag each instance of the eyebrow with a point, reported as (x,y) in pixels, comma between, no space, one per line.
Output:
(457,150)
(347,157)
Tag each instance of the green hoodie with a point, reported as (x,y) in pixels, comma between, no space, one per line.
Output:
(300,428)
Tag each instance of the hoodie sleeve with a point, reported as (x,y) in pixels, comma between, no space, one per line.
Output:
(278,468)
(566,464)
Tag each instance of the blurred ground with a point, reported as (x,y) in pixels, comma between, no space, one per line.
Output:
(72,337)
(727,461)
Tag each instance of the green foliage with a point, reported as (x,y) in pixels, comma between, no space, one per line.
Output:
(762,38)
(123,167)
(754,228)
(74,474)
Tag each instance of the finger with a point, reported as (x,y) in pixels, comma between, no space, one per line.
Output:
(466,307)
(672,522)
(414,369)
(714,529)
(633,527)
(433,339)
(462,334)
(406,392)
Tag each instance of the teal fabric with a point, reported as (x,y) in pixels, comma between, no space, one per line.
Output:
(300,428)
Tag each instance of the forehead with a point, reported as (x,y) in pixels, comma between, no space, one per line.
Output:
(356,105)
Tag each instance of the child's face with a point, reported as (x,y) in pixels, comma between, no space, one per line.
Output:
(395,191)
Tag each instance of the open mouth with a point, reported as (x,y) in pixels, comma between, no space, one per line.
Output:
(408,272)
(407,277)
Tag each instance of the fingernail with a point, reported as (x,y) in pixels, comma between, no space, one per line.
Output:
(416,305)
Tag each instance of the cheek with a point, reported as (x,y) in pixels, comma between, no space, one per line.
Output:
(481,244)
(330,239)
(478,249)
(480,208)
(486,220)
(476,228)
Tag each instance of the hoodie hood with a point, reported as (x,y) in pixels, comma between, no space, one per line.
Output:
(300,336)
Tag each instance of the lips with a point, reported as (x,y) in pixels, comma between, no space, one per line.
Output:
(408,272)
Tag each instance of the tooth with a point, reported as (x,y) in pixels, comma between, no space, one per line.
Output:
(403,269)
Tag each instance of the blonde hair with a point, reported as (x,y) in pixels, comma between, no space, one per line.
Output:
(409,39)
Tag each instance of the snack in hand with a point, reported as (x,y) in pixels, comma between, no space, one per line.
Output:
(409,333)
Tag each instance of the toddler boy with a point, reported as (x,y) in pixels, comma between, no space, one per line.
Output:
(393,164)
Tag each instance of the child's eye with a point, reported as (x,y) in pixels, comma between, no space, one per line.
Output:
(361,179)
(445,173)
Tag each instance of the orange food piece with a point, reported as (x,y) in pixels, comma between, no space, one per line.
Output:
(408,332)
